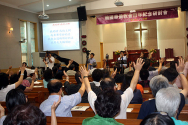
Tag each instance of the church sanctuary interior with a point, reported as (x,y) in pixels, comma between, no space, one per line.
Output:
(110,62)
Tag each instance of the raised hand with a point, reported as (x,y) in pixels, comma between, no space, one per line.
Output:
(70,61)
(161,60)
(114,73)
(139,64)
(22,69)
(181,65)
(130,64)
(83,71)
(10,67)
(55,104)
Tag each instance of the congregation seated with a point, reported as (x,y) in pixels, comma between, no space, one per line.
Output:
(144,74)
(14,78)
(126,97)
(48,76)
(153,72)
(14,98)
(159,82)
(168,100)
(95,67)
(137,98)
(157,118)
(67,101)
(5,87)
(72,88)
(107,106)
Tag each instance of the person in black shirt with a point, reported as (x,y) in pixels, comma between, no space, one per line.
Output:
(72,88)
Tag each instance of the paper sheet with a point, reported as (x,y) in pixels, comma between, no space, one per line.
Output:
(129,109)
(146,91)
(79,108)
(37,82)
(38,86)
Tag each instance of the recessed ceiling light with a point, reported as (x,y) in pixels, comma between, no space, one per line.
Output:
(47,5)
(69,0)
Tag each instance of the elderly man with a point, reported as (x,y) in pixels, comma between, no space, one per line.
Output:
(168,100)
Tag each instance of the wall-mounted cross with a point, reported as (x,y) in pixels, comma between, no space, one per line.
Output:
(140,33)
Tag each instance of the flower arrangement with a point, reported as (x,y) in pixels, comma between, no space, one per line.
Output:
(117,52)
(153,50)
(153,60)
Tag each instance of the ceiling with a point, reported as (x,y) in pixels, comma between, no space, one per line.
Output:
(36,5)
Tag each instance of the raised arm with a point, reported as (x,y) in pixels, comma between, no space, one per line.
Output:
(9,70)
(67,77)
(28,89)
(150,56)
(160,65)
(53,108)
(138,67)
(22,69)
(85,74)
(70,62)
(126,52)
(184,82)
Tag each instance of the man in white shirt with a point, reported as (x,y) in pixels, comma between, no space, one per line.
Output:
(124,59)
(126,97)
(49,59)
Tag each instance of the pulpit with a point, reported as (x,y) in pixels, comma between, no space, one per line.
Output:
(133,55)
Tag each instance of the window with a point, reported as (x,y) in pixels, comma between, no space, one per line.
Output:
(28,36)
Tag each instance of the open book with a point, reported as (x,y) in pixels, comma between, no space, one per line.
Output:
(79,108)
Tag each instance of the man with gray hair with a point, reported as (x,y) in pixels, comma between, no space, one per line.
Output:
(147,107)
(168,100)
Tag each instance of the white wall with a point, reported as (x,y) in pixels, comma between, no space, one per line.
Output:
(10,48)
(171,34)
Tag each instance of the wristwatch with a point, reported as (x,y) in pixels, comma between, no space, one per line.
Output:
(181,73)
(85,77)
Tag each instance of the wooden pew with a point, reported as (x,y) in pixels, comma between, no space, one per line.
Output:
(78,121)
(130,115)
(35,97)
(43,90)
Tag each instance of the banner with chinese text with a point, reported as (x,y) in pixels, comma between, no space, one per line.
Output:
(138,16)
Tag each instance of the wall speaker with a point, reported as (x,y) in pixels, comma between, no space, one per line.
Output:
(184,5)
(82,13)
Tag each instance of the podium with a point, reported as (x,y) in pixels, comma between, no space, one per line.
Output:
(133,56)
